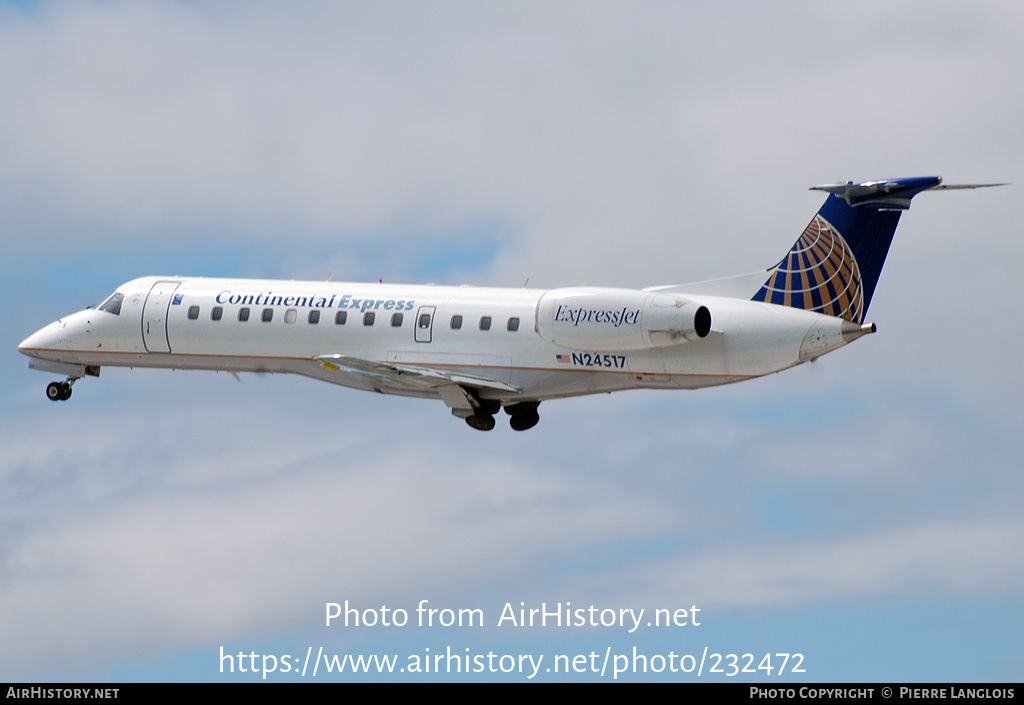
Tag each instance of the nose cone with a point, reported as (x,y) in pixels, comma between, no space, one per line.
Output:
(46,340)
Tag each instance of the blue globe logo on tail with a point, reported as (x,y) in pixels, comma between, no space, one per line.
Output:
(834,266)
(819,274)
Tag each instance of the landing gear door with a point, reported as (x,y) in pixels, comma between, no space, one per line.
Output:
(425,324)
(154,317)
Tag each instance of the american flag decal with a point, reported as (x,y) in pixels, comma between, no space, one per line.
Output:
(563,358)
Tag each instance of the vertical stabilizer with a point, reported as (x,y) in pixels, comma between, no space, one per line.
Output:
(834,266)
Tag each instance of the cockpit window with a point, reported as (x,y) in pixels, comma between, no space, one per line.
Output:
(113,304)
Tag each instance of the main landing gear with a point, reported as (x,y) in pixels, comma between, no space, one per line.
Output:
(59,391)
(483,418)
(481,421)
(522,415)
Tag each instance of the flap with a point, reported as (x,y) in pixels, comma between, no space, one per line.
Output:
(411,375)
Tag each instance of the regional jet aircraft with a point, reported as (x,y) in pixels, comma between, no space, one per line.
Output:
(482,349)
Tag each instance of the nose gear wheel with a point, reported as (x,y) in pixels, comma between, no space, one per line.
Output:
(59,391)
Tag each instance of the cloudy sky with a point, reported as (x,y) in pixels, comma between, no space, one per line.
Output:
(863,510)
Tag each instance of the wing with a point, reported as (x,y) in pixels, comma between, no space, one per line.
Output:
(454,388)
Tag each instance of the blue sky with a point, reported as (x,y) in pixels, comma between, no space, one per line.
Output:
(862,510)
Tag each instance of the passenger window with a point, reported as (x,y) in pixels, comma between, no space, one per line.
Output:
(113,304)
(424,321)
(513,325)
(368,318)
(341,318)
(243,314)
(193,313)
(268,315)
(290,315)
(456,322)
(314,317)
(485,323)
(217,313)
(396,320)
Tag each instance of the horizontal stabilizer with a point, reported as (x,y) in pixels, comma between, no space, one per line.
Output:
(942,187)
(890,193)
(884,194)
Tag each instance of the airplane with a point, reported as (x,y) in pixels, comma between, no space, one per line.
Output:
(483,349)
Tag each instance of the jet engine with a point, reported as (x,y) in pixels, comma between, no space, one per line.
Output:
(602,319)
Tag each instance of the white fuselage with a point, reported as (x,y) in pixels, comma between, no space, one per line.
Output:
(481,349)
(509,345)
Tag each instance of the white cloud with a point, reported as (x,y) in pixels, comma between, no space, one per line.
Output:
(590,128)
(979,558)
(613,144)
(207,544)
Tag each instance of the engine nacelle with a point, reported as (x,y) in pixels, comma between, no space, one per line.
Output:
(598,319)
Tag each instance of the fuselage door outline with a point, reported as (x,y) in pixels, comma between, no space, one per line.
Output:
(154,316)
(425,324)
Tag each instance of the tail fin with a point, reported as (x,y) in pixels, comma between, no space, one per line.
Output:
(834,266)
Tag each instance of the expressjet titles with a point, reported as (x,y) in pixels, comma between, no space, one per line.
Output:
(269,298)
(576,316)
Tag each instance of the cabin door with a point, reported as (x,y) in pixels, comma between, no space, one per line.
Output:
(154,317)
(425,324)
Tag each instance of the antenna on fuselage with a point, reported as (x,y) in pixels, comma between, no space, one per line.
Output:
(330,275)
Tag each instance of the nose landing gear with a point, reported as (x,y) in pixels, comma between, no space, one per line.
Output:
(59,391)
